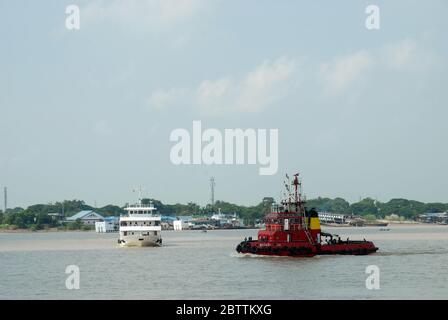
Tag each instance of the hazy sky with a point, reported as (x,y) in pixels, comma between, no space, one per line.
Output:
(87,114)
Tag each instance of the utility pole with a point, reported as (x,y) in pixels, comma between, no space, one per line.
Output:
(212,189)
(6,198)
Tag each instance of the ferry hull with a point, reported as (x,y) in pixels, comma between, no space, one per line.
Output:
(137,242)
(140,244)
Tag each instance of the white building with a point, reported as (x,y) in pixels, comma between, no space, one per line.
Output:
(182,223)
(109,224)
(88,217)
(179,225)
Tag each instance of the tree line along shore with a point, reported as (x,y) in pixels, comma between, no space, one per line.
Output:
(41,216)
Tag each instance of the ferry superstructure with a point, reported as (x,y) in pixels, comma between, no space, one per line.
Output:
(140,227)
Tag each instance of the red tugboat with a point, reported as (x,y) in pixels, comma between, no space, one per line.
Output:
(293,230)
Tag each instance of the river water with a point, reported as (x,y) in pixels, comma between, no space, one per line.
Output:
(412,260)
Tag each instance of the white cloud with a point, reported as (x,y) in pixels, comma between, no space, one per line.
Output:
(407,54)
(272,81)
(340,73)
(140,13)
(399,55)
(102,128)
(216,96)
(161,99)
(266,84)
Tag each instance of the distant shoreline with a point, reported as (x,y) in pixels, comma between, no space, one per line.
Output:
(391,223)
(40,231)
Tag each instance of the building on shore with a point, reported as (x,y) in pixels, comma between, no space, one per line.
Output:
(179,225)
(56,216)
(87,217)
(222,220)
(166,222)
(437,217)
(110,224)
(182,223)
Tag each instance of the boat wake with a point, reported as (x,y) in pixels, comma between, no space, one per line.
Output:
(258,256)
(410,253)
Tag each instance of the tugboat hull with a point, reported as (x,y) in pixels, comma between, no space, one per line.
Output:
(357,248)
(287,250)
(284,250)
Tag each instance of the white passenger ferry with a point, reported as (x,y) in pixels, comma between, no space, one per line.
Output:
(140,227)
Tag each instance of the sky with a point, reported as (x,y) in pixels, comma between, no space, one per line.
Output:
(87,114)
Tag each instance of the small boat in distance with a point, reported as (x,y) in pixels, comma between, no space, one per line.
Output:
(376,224)
(140,227)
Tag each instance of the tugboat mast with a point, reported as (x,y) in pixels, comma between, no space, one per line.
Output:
(297,191)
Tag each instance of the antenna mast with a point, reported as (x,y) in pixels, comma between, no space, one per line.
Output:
(6,198)
(212,190)
(139,194)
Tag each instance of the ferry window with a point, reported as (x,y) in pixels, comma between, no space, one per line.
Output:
(155,233)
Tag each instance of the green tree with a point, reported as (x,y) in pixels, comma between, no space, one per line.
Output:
(110,210)
(364,207)
(370,217)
